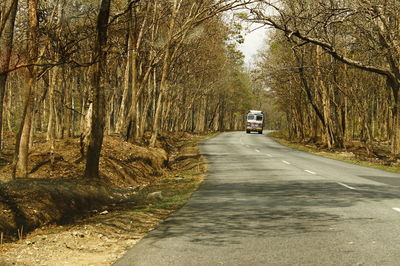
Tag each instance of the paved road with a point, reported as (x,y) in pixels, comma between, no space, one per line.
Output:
(265,204)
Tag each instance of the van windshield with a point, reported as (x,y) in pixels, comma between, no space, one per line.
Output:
(259,118)
(250,117)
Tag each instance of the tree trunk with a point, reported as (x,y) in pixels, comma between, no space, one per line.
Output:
(20,162)
(143,117)
(137,89)
(125,94)
(8,114)
(201,115)
(395,117)
(6,43)
(164,75)
(66,105)
(96,131)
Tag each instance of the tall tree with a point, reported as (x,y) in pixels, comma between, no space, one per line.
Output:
(96,118)
(8,14)
(20,162)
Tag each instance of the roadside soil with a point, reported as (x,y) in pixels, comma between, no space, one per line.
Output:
(354,152)
(55,217)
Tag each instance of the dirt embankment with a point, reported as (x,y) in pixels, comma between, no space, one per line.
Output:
(379,156)
(95,222)
(56,192)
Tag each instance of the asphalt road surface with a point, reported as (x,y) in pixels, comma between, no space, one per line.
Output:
(265,204)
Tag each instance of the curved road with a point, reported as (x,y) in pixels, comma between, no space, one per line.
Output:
(265,204)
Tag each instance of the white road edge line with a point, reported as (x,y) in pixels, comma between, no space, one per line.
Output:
(310,172)
(349,187)
(285,162)
(396,209)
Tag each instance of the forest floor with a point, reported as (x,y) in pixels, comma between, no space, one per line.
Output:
(55,217)
(353,152)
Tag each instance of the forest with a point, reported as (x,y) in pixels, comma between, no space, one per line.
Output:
(328,73)
(333,68)
(86,69)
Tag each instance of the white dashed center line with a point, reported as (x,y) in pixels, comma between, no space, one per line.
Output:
(269,155)
(310,172)
(257,150)
(396,209)
(349,187)
(285,162)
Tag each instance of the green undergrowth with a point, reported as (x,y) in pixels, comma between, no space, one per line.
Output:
(281,138)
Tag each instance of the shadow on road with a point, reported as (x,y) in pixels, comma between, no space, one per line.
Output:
(224,213)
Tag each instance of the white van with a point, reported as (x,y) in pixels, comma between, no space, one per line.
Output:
(255,121)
